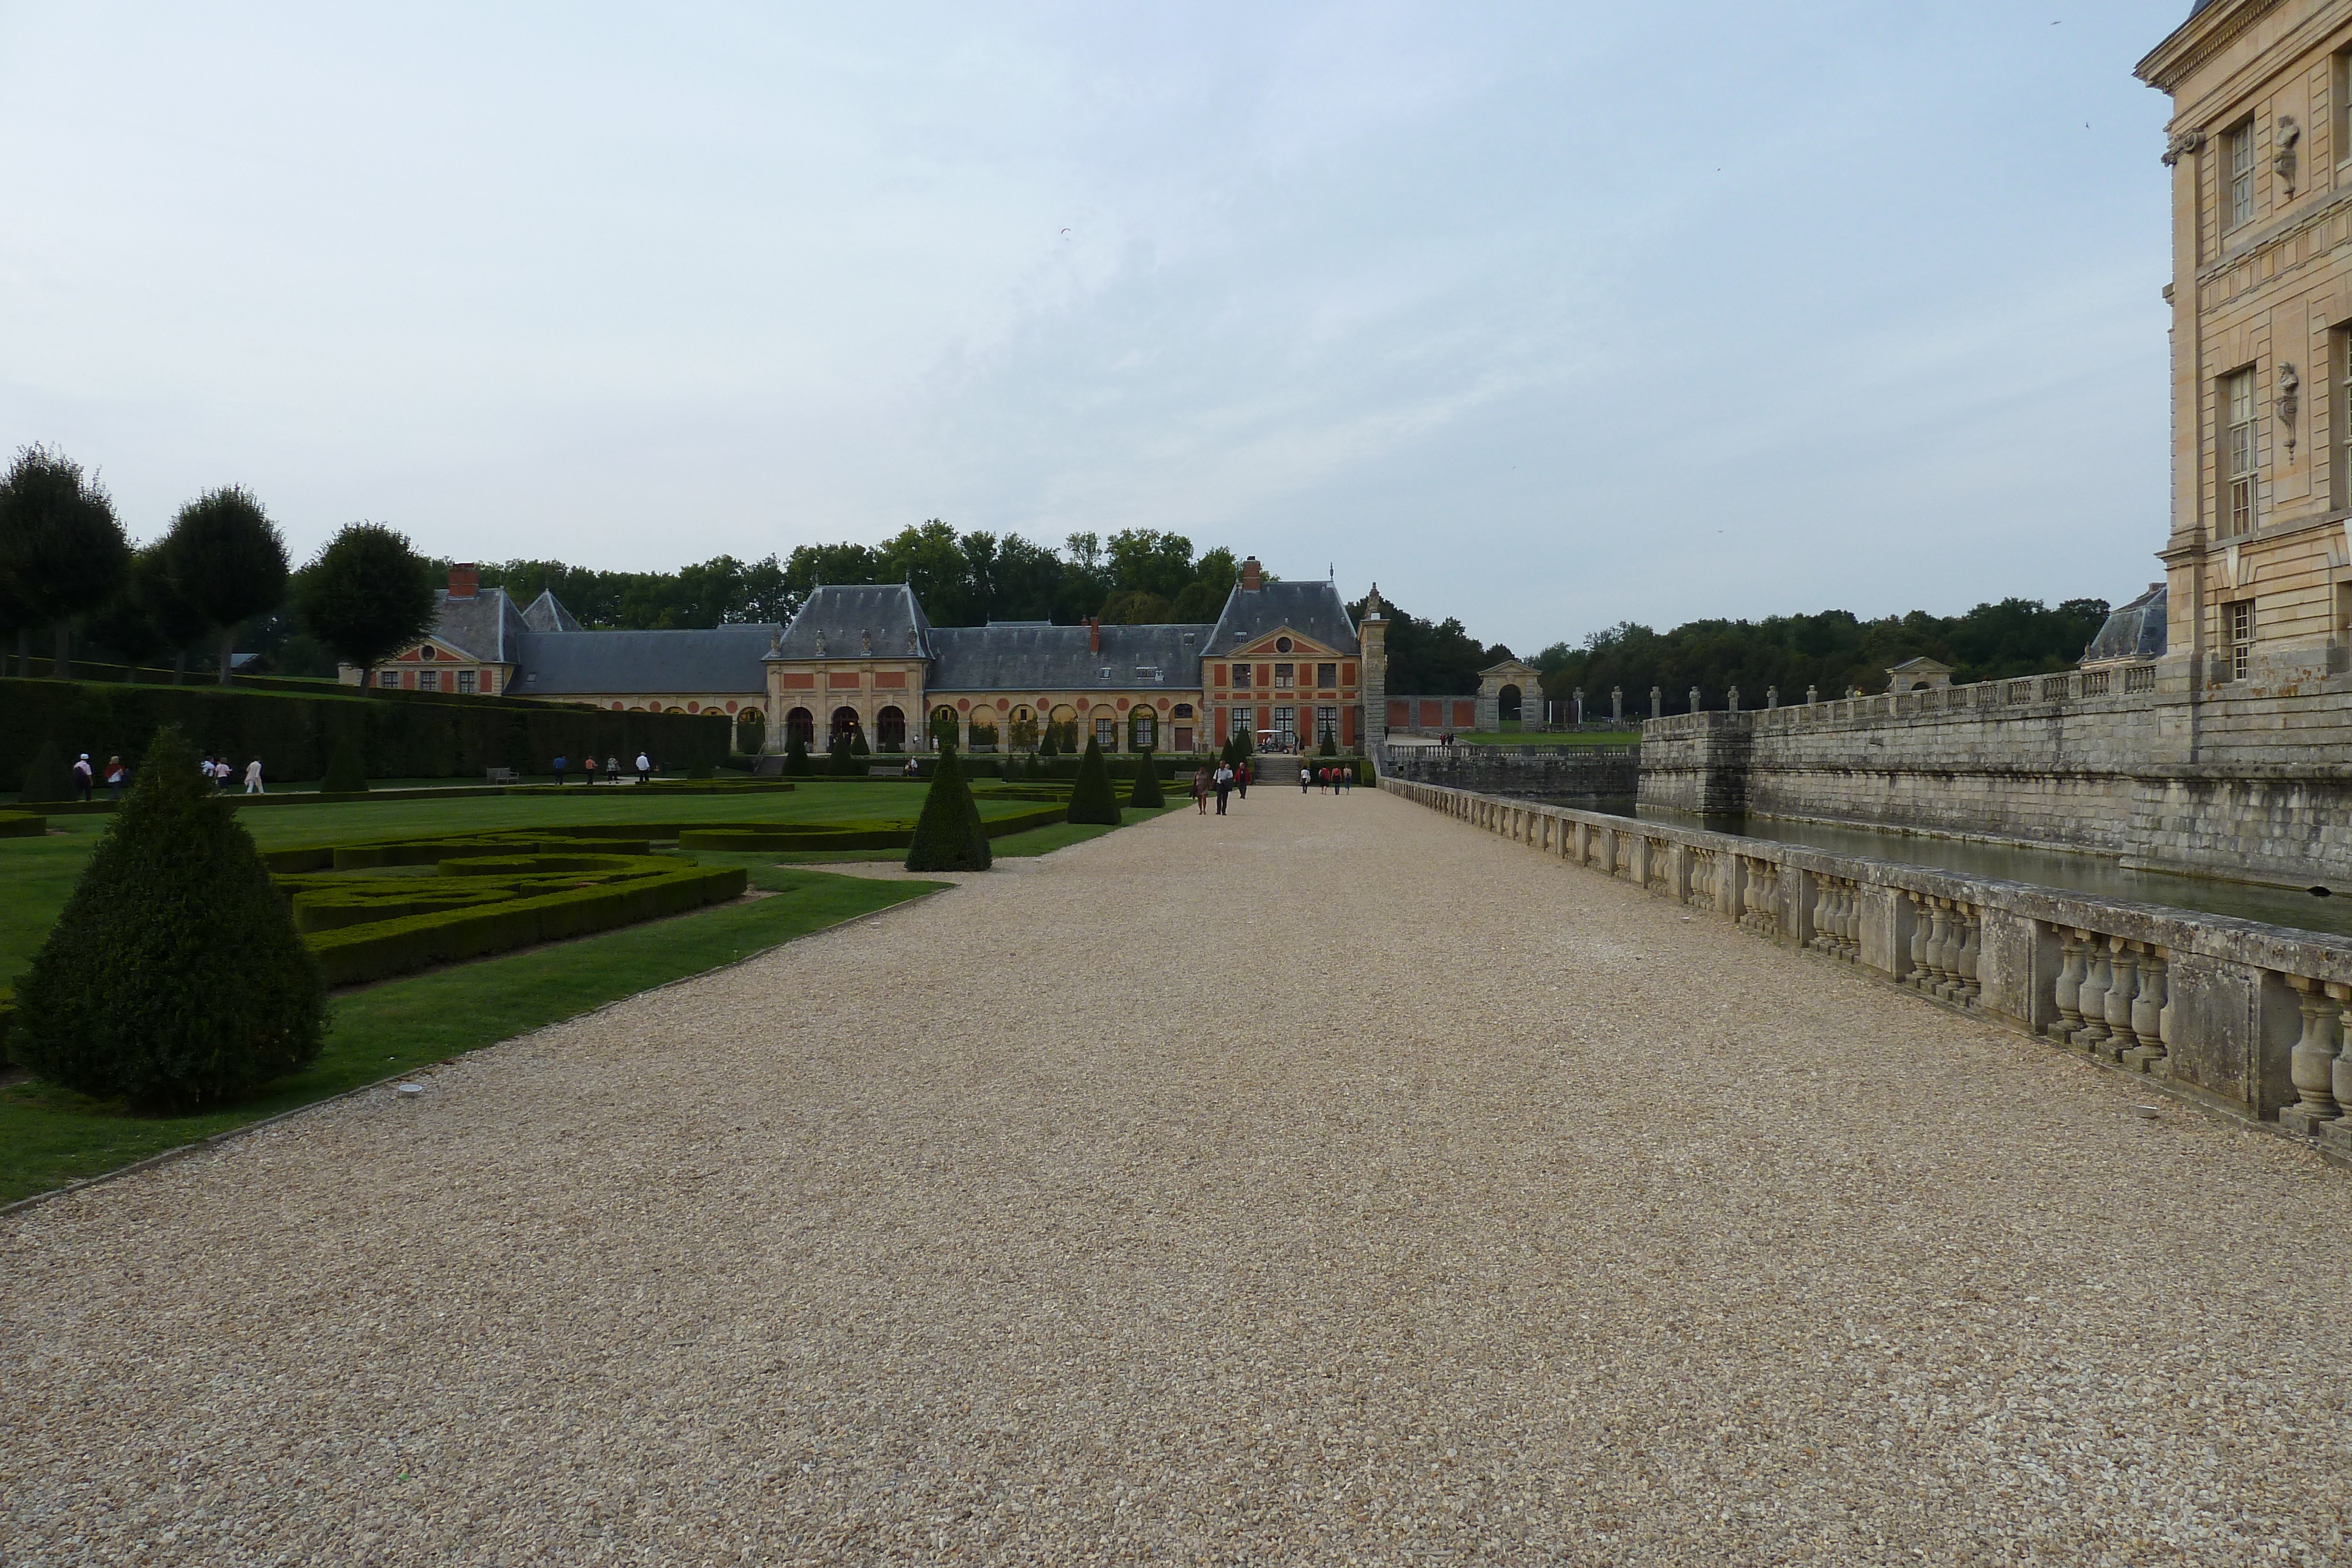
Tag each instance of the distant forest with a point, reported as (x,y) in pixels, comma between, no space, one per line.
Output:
(1137,577)
(1834,651)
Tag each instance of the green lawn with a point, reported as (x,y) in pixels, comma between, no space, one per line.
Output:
(38,874)
(50,1136)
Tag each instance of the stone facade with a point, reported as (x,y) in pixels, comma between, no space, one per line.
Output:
(2259,563)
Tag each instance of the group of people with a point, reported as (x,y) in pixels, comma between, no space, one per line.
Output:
(611,770)
(85,777)
(1221,781)
(220,770)
(1336,777)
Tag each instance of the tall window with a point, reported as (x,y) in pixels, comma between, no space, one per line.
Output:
(2239,141)
(1286,727)
(466,680)
(2238,453)
(2339,417)
(1281,676)
(2340,79)
(387,678)
(1106,734)
(1327,675)
(1327,726)
(430,681)
(2241,637)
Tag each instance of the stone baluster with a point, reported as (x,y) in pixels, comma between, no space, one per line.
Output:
(2099,974)
(2147,1014)
(2340,1133)
(2070,985)
(1842,924)
(1916,952)
(1824,915)
(1964,961)
(1933,971)
(2123,966)
(2313,1062)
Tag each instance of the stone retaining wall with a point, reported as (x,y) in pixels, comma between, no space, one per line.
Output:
(2233,1015)
(2250,784)
(1600,771)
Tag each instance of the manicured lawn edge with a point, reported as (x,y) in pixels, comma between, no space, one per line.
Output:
(869,897)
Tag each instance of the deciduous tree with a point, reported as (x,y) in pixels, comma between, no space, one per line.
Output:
(228,560)
(367,595)
(62,551)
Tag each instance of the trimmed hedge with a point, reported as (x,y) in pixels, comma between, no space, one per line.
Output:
(794,837)
(294,733)
(361,952)
(22,825)
(1146,791)
(1091,801)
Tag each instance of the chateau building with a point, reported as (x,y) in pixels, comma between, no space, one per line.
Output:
(1283,663)
(2258,591)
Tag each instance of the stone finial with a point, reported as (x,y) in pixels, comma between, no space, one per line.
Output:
(1616,705)
(914,640)
(1812,696)
(1694,699)
(1657,703)
(865,639)
(1772,697)
(1731,704)
(820,642)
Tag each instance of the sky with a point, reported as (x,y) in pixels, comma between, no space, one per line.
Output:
(1545,316)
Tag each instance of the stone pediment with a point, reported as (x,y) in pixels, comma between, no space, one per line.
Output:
(1270,646)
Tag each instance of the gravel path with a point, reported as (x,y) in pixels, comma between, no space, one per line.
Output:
(1329,1183)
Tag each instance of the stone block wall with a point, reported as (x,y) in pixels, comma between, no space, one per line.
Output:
(2249,781)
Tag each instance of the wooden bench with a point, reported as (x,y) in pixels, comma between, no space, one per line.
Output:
(502,775)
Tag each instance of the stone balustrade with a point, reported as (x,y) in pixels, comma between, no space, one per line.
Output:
(2253,1021)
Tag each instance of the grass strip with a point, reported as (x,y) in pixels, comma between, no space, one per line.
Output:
(50,1136)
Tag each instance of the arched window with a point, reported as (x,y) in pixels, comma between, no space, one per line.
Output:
(1506,704)
(1021,733)
(891,729)
(845,725)
(750,731)
(944,726)
(983,729)
(800,725)
(1142,729)
(1065,727)
(1105,726)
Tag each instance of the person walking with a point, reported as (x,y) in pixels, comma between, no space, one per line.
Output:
(1241,779)
(1224,783)
(645,768)
(559,770)
(81,777)
(116,776)
(611,770)
(589,766)
(253,777)
(1305,778)
(1200,791)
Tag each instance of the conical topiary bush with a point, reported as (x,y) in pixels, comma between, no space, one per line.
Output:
(174,978)
(1091,800)
(46,776)
(1045,746)
(1147,790)
(845,764)
(346,774)
(796,759)
(947,835)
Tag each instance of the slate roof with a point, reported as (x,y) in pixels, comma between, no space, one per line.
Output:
(546,614)
(843,617)
(1313,609)
(722,658)
(485,625)
(1040,658)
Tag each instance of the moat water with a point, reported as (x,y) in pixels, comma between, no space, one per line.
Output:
(2096,875)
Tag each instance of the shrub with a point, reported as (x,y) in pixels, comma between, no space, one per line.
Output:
(346,774)
(1330,747)
(796,759)
(1091,800)
(1147,790)
(46,776)
(845,764)
(947,835)
(857,743)
(1045,746)
(22,825)
(175,976)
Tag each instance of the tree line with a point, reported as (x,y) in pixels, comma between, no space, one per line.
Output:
(1834,652)
(1136,577)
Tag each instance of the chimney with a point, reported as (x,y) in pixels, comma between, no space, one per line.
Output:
(1253,576)
(464,580)
(1094,633)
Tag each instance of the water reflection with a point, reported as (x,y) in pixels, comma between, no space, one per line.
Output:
(2046,868)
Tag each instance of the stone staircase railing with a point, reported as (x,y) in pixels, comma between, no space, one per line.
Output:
(2234,1016)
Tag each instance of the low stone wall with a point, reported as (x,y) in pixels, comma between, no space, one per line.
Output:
(1600,771)
(2247,785)
(2238,1016)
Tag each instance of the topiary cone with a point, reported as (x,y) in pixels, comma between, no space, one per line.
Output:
(1091,800)
(47,777)
(1147,790)
(174,977)
(947,835)
(796,759)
